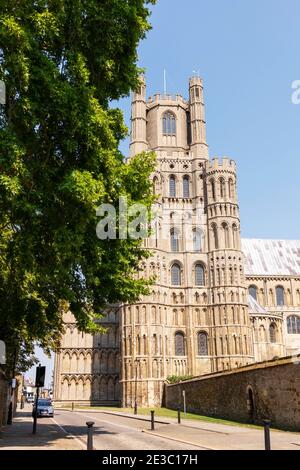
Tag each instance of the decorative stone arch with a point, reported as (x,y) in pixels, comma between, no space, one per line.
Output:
(66,361)
(111,362)
(175,237)
(231,188)
(103,388)
(235,235)
(197,239)
(222,187)
(111,388)
(156,184)
(250,403)
(87,389)
(214,236)
(226,234)
(273,332)
(212,188)
(262,333)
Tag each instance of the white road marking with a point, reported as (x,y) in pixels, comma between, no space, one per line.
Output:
(69,434)
(107,422)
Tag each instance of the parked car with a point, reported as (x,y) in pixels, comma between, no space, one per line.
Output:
(44,407)
(30,399)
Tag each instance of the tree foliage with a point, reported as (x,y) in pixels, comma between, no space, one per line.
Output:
(63,61)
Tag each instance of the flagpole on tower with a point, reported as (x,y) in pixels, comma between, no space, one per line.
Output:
(165,82)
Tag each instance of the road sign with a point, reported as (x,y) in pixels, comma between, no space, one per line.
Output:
(40,376)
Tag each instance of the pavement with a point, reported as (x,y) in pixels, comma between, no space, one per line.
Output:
(49,436)
(125,431)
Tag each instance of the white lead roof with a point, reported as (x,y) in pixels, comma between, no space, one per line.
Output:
(271,257)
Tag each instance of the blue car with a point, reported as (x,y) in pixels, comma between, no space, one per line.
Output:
(44,408)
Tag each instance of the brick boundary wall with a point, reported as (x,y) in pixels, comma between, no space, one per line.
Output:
(265,390)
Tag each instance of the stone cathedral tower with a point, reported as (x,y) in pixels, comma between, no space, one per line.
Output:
(196,319)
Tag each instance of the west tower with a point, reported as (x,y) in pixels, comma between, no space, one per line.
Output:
(196,319)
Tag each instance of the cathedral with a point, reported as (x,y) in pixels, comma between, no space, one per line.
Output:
(218,302)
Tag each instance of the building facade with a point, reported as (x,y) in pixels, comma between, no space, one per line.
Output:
(218,302)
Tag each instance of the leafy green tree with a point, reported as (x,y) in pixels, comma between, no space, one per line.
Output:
(63,62)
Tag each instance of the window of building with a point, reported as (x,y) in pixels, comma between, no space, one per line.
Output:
(222,187)
(215,236)
(199,275)
(186,186)
(235,236)
(279,295)
(213,189)
(272,331)
(202,344)
(197,92)
(169,124)
(155,185)
(196,240)
(176,275)
(225,235)
(174,239)
(253,292)
(293,325)
(172,186)
(179,344)
(230,188)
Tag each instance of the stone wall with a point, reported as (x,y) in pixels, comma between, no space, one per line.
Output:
(252,393)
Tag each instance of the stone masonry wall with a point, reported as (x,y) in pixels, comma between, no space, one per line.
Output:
(252,393)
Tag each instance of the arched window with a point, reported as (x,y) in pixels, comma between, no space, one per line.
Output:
(175,275)
(202,344)
(213,189)
(155,185)
(230,188)
(235,236)
(174,239)
(179,344)
(215,236)
(196,240)
(186,186)
(172,186)
(169,124)
(222,188)
(279,295)
(272,332)
(253,292)
(225,234)
(293,325)
(199,275)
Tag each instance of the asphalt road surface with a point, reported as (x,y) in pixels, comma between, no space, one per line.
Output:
(113,432)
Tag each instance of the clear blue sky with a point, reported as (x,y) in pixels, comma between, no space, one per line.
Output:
(248,53)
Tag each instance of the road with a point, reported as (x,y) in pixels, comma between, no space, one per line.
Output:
(118,431)
(114,432)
